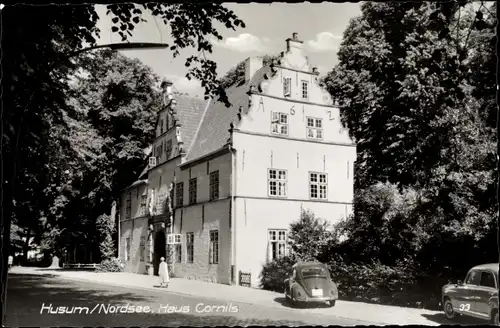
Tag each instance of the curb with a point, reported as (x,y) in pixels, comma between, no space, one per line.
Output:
(361,322)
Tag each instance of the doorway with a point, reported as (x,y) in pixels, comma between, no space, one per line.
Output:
(159,250)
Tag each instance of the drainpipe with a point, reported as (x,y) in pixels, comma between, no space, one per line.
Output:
(233,213)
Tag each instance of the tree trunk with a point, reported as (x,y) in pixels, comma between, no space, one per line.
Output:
(6,195)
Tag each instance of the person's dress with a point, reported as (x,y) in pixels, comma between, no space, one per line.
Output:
(164,278)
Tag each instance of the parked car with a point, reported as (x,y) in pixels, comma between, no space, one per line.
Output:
(310,282)
(477,296)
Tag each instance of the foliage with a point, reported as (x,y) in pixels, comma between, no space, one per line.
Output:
(426,171)
(106,227)
(110,265)
(309,236)
(427,106)
(274,273)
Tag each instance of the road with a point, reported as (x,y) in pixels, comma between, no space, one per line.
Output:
(31,298)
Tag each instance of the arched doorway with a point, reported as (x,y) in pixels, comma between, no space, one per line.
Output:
(159,250)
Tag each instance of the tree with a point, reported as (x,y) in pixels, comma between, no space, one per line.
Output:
(106,226)
(309,236)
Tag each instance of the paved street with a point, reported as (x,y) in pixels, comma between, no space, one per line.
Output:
(28,293)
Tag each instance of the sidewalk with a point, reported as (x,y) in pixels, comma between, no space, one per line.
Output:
(377,314)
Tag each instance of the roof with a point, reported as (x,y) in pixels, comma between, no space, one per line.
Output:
(307,264)
(188,113)
(213,132)
(489,266)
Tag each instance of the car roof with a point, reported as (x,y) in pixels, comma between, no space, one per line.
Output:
(300,265)
(488,266)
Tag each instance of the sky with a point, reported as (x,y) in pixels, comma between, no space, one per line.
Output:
(320,26)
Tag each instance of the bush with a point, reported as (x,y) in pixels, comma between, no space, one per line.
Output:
(106,227)
(275,272)
(110,265)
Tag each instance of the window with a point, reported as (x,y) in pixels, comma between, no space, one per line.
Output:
(142,209)
(277,183)
(127,249)
(473,278)
(214,247)
(161,126)
(168,149)
(314,128)
(287,86)
(279,123)
(192,191)
(179,194)
(487,279)
(178,253)
(317,185)
(276,244)
(128,206)
(214,185)
(305,90)
(142,249)
(190,246)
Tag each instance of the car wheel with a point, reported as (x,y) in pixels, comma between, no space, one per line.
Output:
(331,303)
(448,309)
(294,302)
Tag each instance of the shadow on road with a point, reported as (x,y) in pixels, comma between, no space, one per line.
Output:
(461,320)
(46,287)
(27,292)
(285,303)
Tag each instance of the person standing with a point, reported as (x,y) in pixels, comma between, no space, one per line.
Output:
(163,272)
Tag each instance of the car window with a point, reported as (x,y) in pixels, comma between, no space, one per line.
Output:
(473,278)
(487,279)
(313,272)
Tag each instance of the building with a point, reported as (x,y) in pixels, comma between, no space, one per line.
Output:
(238,176)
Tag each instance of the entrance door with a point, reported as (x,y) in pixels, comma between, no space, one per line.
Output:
(159,250)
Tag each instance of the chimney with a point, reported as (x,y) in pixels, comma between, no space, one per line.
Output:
(294,45)
(252,65)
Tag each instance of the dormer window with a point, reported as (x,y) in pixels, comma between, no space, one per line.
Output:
(305,90)
(287,86)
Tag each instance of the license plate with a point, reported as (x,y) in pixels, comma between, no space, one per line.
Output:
(317,292)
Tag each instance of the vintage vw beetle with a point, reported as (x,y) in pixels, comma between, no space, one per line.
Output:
(310,283)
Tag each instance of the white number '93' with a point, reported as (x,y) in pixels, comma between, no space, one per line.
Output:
(464,307)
